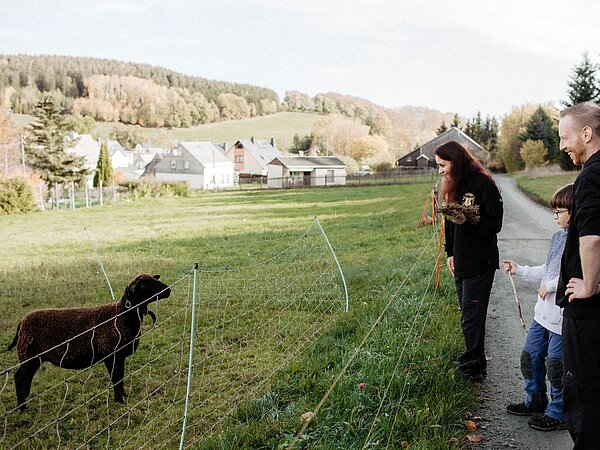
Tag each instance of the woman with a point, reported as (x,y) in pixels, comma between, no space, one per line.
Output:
(471,245)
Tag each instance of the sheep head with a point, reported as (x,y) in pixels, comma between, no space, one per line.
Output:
(143,290)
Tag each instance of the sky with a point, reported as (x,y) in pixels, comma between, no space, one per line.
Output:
(459,56)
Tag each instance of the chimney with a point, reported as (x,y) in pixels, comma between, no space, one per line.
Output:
(224,146)
(273,142)
(252,139)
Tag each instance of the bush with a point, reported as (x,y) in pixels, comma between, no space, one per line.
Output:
(149,188)
(534,154)
(15,196)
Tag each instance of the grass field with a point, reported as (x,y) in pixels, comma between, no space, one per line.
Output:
(272,338)
(281,126)
(541,187)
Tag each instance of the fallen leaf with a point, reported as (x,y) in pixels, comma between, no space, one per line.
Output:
(307,416)
(475,437)
(471,426)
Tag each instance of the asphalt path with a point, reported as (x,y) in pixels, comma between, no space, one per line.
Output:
(524,238)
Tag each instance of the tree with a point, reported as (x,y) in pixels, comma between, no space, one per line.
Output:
(541,128)
(509,143)
(442,129)
(584,85)
(104,170)
(534,154)
(301,143)
(455,122)
(46,144)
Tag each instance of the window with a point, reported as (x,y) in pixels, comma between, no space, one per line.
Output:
(239,158)
(186,164)
(173,164)
(330,176)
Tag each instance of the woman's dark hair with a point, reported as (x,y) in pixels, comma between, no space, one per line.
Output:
(463,166)
(563,198)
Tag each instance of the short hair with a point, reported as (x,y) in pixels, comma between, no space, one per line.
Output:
(586,114)
(563,198)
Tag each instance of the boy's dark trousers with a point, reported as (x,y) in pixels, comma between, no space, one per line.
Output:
(581,380)
(473,298)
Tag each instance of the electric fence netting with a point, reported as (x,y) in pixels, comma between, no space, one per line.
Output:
(249,321)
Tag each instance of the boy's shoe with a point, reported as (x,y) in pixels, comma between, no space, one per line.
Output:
(470,376)
(546,423)
(520,409)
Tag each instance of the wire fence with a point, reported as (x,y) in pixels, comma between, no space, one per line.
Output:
(249,322)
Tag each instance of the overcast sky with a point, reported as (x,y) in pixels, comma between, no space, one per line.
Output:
(459,56)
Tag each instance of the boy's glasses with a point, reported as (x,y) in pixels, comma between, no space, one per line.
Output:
(557,212)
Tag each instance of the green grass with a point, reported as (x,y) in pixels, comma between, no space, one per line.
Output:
(257,373)
(282,126)
(541,187)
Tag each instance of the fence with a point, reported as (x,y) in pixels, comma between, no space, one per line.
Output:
(212,349)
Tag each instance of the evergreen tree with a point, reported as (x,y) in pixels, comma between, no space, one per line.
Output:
(584,85)
(47,138)
(541,128)
(455,122)
(441,129)
(104,170)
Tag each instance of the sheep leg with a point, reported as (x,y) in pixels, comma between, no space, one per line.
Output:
(23,378)
(116,370)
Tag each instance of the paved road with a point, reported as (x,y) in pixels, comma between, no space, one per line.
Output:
(524,238)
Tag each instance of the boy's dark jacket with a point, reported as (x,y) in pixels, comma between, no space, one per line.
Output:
(584,221)
(474,245)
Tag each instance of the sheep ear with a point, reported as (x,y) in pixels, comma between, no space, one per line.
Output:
(157,277)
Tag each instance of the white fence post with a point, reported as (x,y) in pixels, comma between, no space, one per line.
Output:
(191,359)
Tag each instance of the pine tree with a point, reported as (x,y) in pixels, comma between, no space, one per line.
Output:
(455,122)
(441,129)
(104,170)
(47,140)
(584,85)
(540,128)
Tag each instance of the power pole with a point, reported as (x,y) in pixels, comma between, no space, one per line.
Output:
(22,156)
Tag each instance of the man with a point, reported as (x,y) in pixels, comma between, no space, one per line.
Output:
(578,293)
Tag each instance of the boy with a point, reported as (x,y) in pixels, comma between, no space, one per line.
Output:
(542,351)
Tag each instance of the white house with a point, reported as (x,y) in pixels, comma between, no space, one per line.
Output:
(86,146)
(302,171)
(251,156)
(119,157)
(201,164)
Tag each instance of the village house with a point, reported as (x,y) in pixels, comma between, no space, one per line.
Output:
(201,164)
(252,156)
(424,157)
(304,171)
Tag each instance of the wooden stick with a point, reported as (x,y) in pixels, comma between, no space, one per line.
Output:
(521,319)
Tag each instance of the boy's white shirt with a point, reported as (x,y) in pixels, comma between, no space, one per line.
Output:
(546,313)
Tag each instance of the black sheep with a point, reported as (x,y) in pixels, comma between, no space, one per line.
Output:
(75,338)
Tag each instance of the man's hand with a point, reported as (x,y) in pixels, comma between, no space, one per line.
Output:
(576,290)
(450,263)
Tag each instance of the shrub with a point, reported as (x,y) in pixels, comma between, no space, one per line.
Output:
(150,188)
(15,196)
(534,154)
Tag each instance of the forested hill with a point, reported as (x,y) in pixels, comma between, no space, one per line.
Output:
(128,92)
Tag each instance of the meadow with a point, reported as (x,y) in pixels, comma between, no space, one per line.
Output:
(540,187)
(282,126)
(272,338)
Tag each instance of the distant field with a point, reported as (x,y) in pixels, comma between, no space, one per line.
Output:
(281,126)
(540,188)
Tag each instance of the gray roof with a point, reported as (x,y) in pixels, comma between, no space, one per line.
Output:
(308,161)
(261,150)
(205,152)
(451,134)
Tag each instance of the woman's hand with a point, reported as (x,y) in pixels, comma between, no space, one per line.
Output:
(450,263)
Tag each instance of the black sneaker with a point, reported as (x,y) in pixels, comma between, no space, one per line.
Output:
(520,409)
(546,423)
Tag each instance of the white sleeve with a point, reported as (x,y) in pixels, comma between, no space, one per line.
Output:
(534,273)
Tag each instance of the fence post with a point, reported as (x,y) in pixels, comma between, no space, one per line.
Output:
(87,196)
(191,359)
(41,196)
(336,260)
(72,195)
(101,196)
